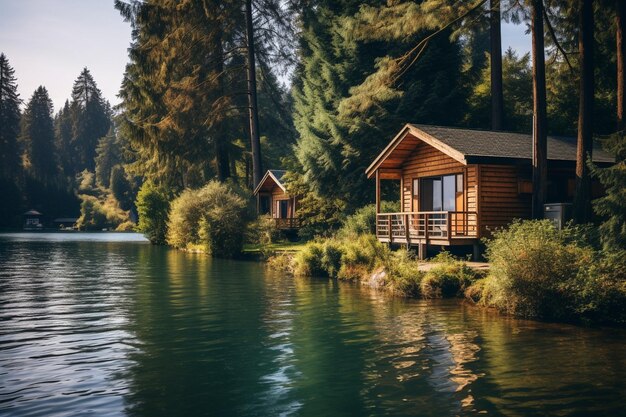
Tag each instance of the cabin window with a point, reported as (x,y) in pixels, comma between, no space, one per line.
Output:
(283,209)
(415,194)
(440,193)
(264,204)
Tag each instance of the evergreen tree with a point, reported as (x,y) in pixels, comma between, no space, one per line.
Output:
(107,156)
(184,101)
(582,199)
(37,135)
(517,88)
(9,121)
(63,138)
(90,121)
(343,114)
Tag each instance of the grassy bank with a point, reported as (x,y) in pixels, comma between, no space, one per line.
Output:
(536,271)
(364,260)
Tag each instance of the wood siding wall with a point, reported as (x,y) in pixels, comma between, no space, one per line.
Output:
(426,161)
(500,200)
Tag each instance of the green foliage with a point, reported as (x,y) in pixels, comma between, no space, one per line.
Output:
(120,187)
(107,156)
(363,221)
(517,92)
(308,262)
(403,275)
(92,214)
(153,205)
(612,207)
(448,278)
(538,271)
(90,120)
(343,115)
(9,122)
(263,231)
(212,218)
(183,108)
(320,216)
(40,158)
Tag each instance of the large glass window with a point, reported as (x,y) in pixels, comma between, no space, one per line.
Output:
(449,193)
(440,193)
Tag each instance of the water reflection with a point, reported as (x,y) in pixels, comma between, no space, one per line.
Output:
(124,328)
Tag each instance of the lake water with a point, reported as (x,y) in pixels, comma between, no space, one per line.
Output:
(106,324)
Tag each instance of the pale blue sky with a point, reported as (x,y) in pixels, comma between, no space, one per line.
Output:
(48,42)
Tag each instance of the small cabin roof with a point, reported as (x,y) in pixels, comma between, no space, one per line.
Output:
(473,146)
(274,176)
(33,213)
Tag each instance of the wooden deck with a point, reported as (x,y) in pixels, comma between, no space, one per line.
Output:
(428,227)
(290,223)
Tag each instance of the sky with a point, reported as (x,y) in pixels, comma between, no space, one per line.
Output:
(49,42)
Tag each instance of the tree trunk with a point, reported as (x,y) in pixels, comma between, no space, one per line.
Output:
(497,95)
(540,140)
(582,199)
(221,149)
(255,143)
(620,20)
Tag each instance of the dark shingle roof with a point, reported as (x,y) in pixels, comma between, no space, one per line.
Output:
(273,175)
(484,143)
(278,174)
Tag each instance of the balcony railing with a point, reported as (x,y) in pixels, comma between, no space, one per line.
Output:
(425,226)
(288,223)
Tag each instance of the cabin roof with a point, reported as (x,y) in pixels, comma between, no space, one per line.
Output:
(472,146)
(274,176)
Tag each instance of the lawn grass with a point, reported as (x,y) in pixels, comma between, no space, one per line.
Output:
(274,247)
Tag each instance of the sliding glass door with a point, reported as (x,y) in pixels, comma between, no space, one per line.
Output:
(440,193)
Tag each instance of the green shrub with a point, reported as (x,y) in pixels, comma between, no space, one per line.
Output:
(153,206)
(448,278)
(404,276)
(308,262)
(361,255)
(212,218)
(92,214)
(263,231)
(363,221)
(281,262)
(536,270)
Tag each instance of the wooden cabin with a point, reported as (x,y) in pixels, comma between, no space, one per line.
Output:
(458,184)
(33,220)
(273,199)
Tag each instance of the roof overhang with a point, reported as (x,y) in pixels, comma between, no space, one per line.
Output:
(269,177)
(413,134)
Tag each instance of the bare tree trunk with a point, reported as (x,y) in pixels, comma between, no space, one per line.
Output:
(582,199)
(497,95)
(255,142)
(620,20)
(540,139)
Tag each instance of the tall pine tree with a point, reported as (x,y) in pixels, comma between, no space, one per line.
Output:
(90,121)
(9,121)
(37,136)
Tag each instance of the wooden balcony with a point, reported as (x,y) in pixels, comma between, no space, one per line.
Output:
(428,227)
(288,223)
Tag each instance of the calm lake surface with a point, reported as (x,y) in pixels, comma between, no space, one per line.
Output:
(105,324)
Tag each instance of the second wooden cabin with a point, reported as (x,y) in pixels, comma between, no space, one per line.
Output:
(273,199)
(458,184)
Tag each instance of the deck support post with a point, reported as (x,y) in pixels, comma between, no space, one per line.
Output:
(476,252)
(421,251)
(406,231)
(378,192)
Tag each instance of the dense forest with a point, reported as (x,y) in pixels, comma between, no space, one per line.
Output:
(223,90)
